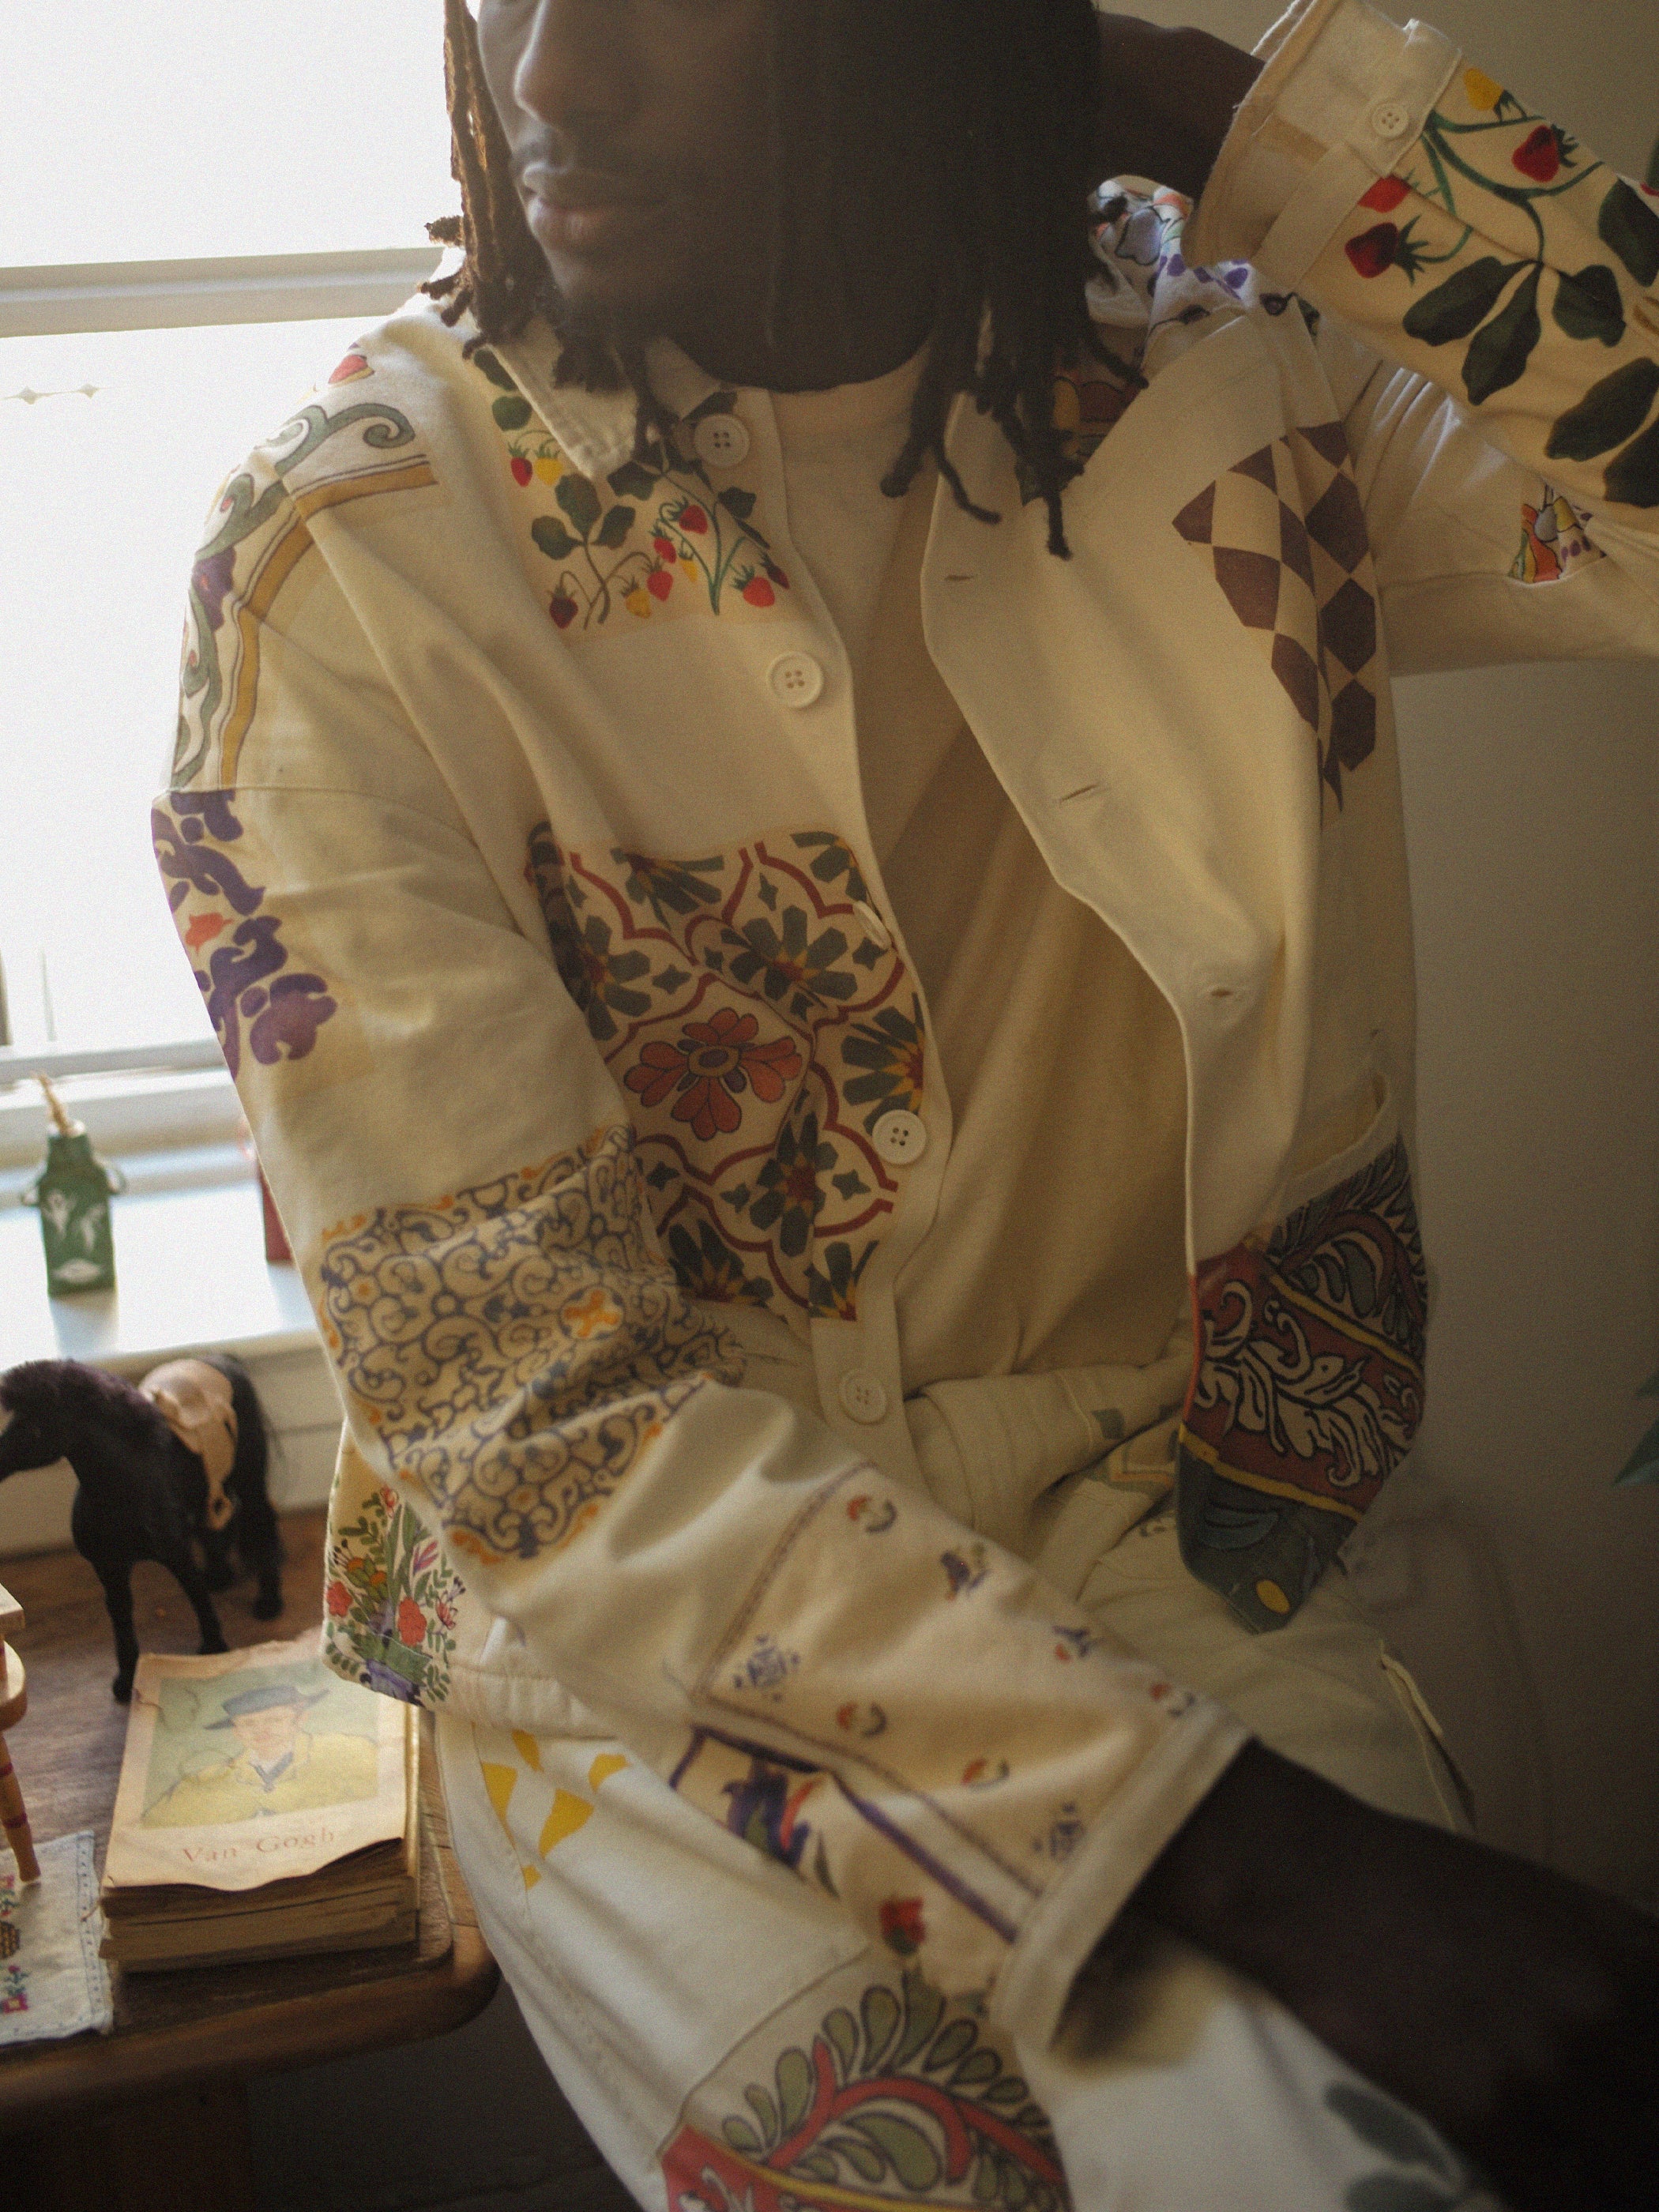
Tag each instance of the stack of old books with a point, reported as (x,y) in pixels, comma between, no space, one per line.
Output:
(265,1808)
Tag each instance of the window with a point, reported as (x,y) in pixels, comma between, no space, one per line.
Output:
(206,204)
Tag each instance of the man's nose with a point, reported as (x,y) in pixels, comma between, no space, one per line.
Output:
(576,73)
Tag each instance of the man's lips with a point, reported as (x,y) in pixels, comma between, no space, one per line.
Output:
(587,210)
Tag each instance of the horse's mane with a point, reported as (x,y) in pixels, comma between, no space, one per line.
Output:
(66,1396)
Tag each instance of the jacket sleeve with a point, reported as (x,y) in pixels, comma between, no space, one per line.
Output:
(1490,324)
(816,1655)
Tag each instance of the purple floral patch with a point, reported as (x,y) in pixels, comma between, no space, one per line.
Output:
(288,1026)
(190,866)
(245,978)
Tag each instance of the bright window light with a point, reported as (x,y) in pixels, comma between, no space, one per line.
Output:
(160,130)
(106,479)
(164,130)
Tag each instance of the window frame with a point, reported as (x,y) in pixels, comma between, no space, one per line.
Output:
(50,299)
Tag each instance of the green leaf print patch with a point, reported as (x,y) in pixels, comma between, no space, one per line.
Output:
(1463,303)
(1609,412)
(1498,355)
(1590,305)
(1630,227)
(1634,476)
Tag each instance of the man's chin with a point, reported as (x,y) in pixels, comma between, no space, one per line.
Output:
(607,306)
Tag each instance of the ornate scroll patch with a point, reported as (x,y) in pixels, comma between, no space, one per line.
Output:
(517,1346)
(892,2096)
(1308,1391)
(1284,531)
(760,1031)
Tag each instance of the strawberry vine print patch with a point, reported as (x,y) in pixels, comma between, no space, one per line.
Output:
(656,537)
(390,1603)
(894,2096)
(759,1033)
(1516,245)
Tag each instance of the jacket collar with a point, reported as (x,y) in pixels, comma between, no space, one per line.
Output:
(596,429)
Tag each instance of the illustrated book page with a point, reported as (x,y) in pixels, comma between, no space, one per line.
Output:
(254,1766)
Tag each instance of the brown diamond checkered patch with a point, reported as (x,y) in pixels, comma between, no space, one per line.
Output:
(1285,533)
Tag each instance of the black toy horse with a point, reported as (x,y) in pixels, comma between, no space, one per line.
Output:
(143,1492)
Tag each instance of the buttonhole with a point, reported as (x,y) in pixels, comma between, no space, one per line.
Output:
(1082,792)
(1221,991)
(965,576)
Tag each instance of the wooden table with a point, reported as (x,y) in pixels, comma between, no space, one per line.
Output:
(154,2117)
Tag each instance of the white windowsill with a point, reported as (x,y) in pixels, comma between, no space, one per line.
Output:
(191,1276)
(141,1121)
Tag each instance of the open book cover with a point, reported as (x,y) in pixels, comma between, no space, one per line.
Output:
(253,1767)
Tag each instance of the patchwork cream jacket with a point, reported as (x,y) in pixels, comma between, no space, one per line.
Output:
(514,833)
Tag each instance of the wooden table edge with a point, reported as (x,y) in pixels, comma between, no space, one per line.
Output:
(39,2082)
(409,2008)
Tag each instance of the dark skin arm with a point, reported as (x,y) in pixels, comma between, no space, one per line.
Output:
(1516,2010)
(1171,98)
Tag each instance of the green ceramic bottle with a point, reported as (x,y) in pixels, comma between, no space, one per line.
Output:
(73,1192)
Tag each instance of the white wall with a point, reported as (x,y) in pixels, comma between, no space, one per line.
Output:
(296,1388)
(1523,1589)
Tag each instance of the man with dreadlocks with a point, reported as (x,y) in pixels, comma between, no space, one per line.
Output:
(787,806)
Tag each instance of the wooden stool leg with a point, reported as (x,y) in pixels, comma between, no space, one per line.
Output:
(15,1820)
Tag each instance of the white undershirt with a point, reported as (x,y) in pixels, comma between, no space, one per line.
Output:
(1059,1238)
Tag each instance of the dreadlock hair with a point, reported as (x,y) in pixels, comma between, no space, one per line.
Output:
(1007,93)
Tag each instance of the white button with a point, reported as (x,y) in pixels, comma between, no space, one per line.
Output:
(873,925)
(721,440)
(862,1396)
(900,1138)
(796,678)
(1391,120)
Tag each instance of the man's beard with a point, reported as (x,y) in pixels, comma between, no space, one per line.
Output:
(603,336)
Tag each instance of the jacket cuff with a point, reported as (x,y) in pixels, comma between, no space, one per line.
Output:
(1063,1929)
(1343,96)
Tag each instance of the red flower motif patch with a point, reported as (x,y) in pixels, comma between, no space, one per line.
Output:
(712,1064)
